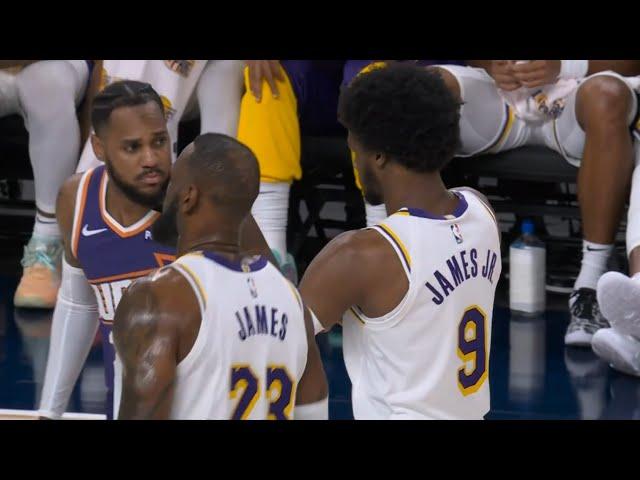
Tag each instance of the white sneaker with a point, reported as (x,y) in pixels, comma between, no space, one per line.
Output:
(620,351)
(619,299)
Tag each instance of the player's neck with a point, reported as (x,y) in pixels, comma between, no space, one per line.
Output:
(124,210)
(225,240)
(425,191)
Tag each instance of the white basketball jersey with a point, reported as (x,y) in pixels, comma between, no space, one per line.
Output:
(429,357)
(174,80)
(251,349)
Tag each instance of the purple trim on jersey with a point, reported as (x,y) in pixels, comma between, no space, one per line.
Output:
(104,253)
(459,210)
(254,266)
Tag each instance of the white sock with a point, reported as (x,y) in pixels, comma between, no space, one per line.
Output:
(375,214)
(46,227)
(594,264)
(270,211)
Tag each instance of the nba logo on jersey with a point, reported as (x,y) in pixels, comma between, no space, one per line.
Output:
(147,235)
(252,287)
(455,229)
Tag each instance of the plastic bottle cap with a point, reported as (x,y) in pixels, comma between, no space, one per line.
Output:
(527,227)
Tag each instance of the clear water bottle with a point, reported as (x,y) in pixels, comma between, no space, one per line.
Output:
(527,272)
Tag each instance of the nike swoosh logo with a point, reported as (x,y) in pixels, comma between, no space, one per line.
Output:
(87,233)
(596,249)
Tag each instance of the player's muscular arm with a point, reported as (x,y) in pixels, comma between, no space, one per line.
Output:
(252,241)
(356,268)
(155,326)
(313,385)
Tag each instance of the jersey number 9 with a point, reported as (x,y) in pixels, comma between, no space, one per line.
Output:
(472,350)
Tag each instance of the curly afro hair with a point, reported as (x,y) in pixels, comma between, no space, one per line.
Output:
(405,112)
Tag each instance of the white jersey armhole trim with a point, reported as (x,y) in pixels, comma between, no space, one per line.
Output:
(391,318)
(391,241)
(189,361)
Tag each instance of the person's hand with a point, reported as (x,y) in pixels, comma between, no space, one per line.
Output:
(502,73)
(537,73)
(269,70)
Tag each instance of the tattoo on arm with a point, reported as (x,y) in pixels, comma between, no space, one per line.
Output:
(148,353)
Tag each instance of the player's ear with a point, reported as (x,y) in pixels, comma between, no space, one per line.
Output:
(190,199)
(98,147)
(381,160)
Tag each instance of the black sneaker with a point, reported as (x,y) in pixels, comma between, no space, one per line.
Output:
(586,318)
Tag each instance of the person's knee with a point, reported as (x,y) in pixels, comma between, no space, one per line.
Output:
(603,102)
(46,90)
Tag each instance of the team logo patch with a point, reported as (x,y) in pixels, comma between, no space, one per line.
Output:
(554,110)
(455,229)
(181,67)
(169,111)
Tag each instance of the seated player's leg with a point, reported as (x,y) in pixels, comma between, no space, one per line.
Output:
(49,92)
(619,296)
(487,123)
(270,128)
(593,131)
(219,93)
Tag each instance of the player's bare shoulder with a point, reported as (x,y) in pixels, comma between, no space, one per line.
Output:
(364,249)
(164,290)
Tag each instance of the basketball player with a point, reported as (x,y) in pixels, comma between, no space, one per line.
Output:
(414,293)
(284,100)
(105,218)
(217,334)
(46,94)
(582,109)
(214,87)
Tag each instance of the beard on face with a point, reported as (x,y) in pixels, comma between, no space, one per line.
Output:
(165,229)
(150,200)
